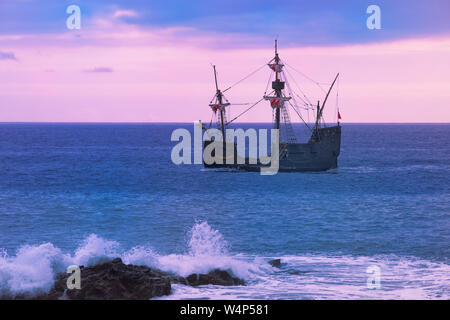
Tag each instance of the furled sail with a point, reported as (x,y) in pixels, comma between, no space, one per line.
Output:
(276,102)
(276,67)
(218,106)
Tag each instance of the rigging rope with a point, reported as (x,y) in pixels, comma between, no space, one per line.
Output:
(212,99)
(245,111)
(299,115)
(210,122)
(268,82)
(245,78)
(337,101)
(304,95)
(292,92)
(309,78)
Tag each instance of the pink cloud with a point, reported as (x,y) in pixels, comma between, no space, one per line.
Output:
(99,70)
(125,13)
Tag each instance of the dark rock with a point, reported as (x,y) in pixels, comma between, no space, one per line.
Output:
(296,272)
(215,277)
(275,263)
(114,280)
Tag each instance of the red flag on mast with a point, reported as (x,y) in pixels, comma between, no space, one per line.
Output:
(339,116)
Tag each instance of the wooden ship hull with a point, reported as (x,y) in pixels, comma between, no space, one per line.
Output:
(320,153)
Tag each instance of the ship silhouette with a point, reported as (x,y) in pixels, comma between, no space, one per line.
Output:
(319,153)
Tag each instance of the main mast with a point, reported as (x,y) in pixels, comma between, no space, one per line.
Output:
(277,101)
(219,99)
(277,85)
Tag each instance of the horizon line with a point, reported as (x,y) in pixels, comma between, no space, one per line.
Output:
(184,122)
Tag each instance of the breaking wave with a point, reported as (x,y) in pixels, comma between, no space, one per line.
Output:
(33,268)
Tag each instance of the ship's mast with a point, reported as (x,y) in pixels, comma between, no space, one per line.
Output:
(278,86)
(316,126)
(277,101)
(319,108)
(219,99)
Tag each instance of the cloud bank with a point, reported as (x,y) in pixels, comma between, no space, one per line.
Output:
(7,56)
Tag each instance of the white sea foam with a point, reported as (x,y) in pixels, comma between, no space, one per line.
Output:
(343,277)
(207,251)
(94,250)
(33,268)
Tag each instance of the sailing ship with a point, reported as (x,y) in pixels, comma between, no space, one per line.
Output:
(321,151)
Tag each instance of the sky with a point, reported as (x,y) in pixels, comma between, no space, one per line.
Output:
(150,61)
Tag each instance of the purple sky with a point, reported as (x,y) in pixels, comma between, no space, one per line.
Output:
(151,61)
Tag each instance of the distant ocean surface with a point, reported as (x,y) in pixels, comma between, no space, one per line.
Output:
(79,193)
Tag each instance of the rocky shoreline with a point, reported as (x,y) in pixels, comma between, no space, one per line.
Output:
(115,280)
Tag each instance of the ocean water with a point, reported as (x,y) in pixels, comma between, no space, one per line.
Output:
(80,193)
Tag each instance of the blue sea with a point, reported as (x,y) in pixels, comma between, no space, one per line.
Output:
(83,193)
